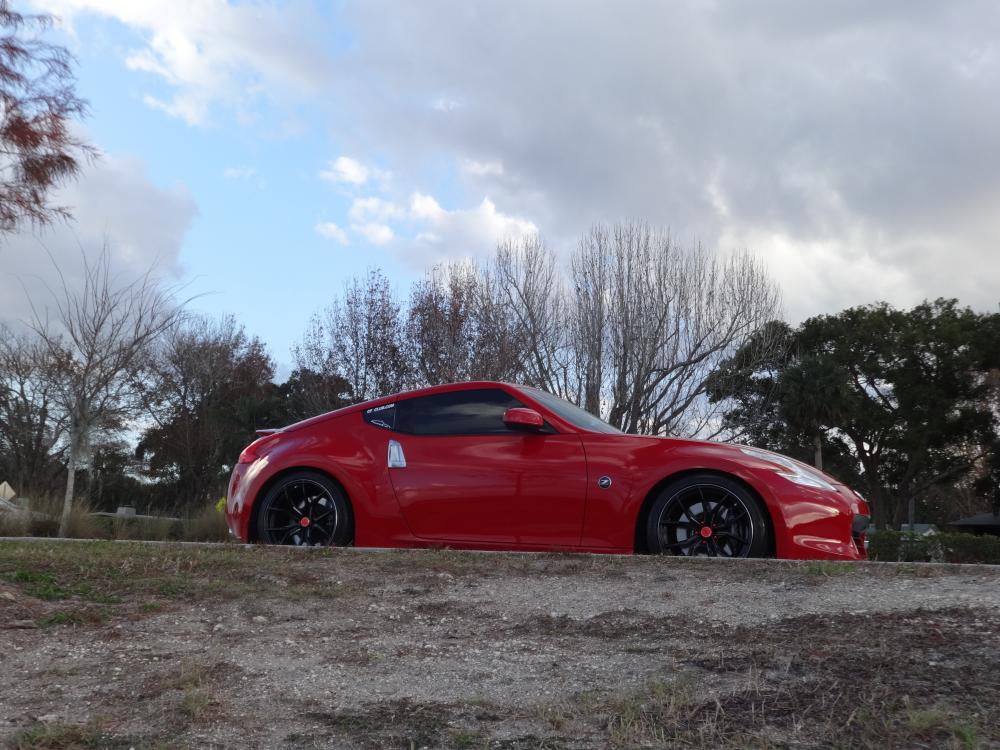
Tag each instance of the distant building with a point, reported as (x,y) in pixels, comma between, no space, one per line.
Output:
(984,523)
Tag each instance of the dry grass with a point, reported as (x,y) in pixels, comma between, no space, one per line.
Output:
(41,519)
(206,525)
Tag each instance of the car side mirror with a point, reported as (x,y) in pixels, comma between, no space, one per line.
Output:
(523,419)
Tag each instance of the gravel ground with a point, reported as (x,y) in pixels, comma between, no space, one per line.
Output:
(107,644)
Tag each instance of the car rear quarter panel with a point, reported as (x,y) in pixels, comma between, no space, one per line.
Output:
(347,449)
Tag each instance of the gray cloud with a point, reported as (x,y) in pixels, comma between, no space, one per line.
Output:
(113,202)
(854,144)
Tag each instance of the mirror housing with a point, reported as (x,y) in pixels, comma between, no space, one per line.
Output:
(523,419)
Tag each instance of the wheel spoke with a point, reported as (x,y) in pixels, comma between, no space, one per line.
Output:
(688,509)
(291,503)
(685,543)
(682,524)
(735,537)
(282,528)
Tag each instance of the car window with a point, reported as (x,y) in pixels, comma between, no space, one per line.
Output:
(382,416)
(572,414)
(473,412)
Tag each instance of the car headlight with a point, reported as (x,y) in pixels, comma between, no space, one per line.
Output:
(791,470)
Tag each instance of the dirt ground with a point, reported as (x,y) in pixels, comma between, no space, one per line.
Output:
(133,645)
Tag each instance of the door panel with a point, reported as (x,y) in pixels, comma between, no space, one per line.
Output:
(510,488)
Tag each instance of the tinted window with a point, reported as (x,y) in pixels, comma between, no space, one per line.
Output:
(382,416)
(572,414)
(476,412)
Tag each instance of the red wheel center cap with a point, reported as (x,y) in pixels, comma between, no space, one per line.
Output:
(303,522)
(706,532)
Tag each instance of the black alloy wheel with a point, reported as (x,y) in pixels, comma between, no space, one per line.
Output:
(305,509)
(708,515)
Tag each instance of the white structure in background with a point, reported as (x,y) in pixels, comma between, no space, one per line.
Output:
(7,494)
(919,529)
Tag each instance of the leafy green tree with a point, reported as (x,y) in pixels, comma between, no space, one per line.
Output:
(210,388)
(898,396)
(307,393)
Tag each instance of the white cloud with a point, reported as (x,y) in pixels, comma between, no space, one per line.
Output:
(375,233)
(423,232)
(852,144)
(114,203)
(346,169)
(424,207)
(373,208)
(211,51)
(444,104)
(441,234)
(482,168)
(332,232)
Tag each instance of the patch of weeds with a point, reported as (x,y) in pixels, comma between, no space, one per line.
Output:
(466,738)
(649,716)
(39,585)
(189,675)
(827,568)
(171,587)
(60,736)
(85,591)
(68,617)
(195,703)
(528,742)
(909,570)
(401,723)
(148,608)
(557,716)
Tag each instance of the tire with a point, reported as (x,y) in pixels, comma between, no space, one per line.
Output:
(708,515)
(305,508)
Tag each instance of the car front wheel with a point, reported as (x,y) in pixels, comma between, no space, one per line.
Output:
(708,515)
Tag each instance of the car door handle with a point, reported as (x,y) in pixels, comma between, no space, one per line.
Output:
(397,460)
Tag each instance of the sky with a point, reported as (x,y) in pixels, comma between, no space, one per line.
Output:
(262,153)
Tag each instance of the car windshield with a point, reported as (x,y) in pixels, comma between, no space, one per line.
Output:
(572,414)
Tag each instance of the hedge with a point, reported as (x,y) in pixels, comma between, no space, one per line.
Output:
(897,546)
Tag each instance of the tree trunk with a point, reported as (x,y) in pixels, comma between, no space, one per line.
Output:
(70,481)
(818,445)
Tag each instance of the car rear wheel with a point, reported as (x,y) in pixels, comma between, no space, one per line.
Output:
(708,515)
(305,508)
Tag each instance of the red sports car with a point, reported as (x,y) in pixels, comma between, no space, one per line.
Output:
(505,467)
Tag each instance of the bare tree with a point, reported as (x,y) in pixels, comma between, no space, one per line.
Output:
(31,429)
(633,333)
(38,149)
(461,326)
(98,339)
(525,275)
(441,324)
(651,322)
(360,339)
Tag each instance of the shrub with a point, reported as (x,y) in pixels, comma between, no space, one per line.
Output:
(896,546)
(41,518)
(144,529)
(14,523)
(207,525)
(970,548)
